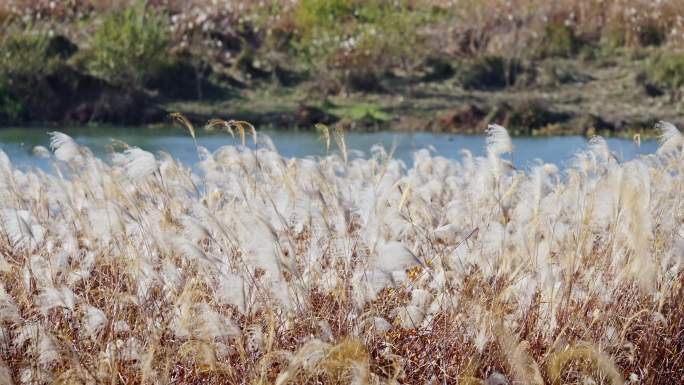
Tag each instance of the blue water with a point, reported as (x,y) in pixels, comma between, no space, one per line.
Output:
(19,142)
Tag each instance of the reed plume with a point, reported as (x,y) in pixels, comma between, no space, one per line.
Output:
(252,267)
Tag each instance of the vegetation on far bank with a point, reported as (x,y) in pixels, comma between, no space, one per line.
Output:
(89,61)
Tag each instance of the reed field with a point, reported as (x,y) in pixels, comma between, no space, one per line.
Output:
(251,268)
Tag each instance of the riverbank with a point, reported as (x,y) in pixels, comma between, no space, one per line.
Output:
(562,97)
(411,66)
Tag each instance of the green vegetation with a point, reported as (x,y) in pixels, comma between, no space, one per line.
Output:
(355,42)
(366,113)
(25,60)
(24,52)
(559,40)
(667,70)
(129,46)
(11,108)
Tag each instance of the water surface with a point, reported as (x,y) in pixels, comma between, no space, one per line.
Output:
(19,142)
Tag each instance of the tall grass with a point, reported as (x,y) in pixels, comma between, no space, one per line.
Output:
(342,270)
(130,45)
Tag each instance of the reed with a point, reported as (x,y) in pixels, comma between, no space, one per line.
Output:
(341,269)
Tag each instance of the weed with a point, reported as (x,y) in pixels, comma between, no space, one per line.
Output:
(489,73)
(357,41)
(25,53)
(667,70)
(558,40)
(11,108)
(129,46)
(26,59)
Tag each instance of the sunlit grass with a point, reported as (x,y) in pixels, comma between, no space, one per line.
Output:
(260,269)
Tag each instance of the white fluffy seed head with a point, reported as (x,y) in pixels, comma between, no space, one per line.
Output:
(94,320)
(394,256)
(599,147)
(498,140)
(671,139)
(53,297)
(9,312)
(64,146)
(41,152)
(21,228)
(136,163)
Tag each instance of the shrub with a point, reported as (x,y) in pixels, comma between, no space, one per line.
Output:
(11,108)
(559,40)
(651,35)
(313,16)
(489,72)
(525,115)
(129,46)
(25,52)
(439,68)
(25,59)
(355,42)
(667,70)
(643,34)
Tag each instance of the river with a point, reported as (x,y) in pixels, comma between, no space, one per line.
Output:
(19,142)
